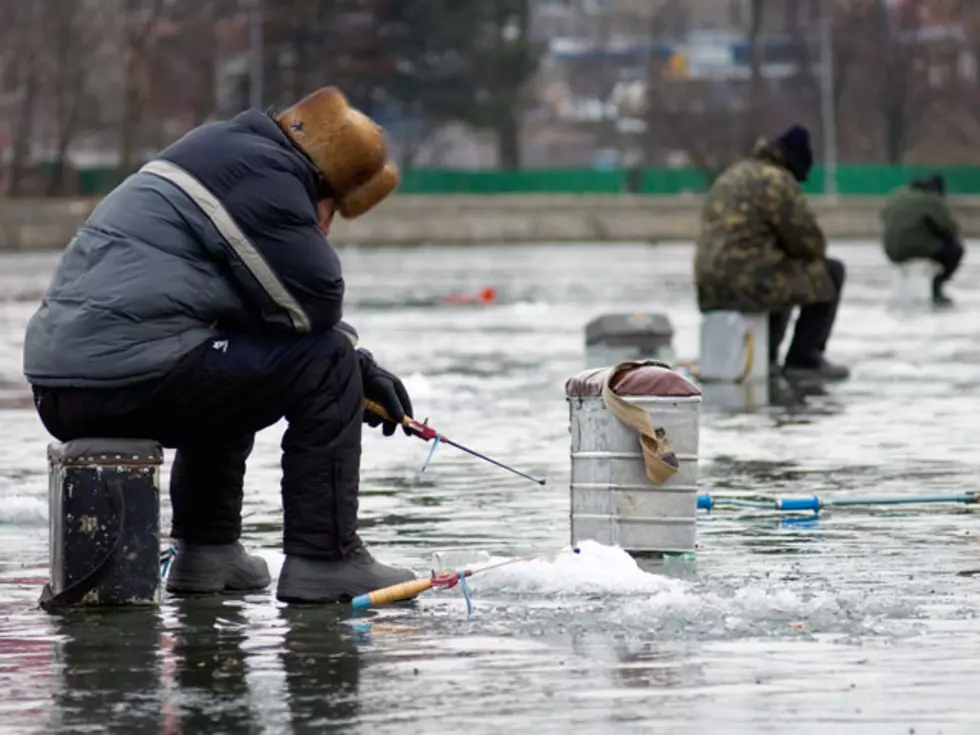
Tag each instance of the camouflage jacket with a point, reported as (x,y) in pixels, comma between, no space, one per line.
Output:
(760,247)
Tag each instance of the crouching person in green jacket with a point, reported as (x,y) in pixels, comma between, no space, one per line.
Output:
(918,225)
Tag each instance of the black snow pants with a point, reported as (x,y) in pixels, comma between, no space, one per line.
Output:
(209,408)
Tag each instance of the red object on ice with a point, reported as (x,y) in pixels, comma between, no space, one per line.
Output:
(486,296)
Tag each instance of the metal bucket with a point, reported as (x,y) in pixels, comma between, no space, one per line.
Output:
(912,282)
(745,397)
(104,505)
(597,355)
(614,338)
(612,500)
(734,347)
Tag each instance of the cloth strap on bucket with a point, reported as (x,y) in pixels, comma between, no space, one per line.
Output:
(749,355)
(73,593)
(659,459)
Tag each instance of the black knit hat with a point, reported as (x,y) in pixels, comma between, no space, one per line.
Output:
(935,183)
(795,143)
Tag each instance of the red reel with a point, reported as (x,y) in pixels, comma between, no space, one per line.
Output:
(445,578)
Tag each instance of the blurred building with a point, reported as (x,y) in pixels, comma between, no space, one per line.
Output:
(604,55)
(620,81)
(614,67)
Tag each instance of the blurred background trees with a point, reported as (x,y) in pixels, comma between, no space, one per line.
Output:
(89,89)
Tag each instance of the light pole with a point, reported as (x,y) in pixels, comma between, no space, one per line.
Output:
(827,100)
(255,55)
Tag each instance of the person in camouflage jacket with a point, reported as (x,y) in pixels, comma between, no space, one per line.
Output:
(761,250)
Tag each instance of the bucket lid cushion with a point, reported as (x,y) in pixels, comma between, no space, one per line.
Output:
(641,380)
(106,452)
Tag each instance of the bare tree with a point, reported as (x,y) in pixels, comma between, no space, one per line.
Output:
(24,56)
(667,108)
(191,57)
(672,121)
(889,77)
(960,115)
(903,89)
(139,38)
(180,66)
(712,122)
(72,33)
(752,118)
(140,72)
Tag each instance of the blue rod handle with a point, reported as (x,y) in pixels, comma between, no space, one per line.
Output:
(811,503)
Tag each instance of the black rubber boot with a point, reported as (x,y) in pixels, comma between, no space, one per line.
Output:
(200,569)
(307,580)
(814,366)
(938,297)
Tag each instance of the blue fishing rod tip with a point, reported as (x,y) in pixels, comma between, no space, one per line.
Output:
(361,601)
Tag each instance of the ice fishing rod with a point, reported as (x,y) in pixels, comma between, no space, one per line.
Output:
(446,579)
(427,433)
(816,504)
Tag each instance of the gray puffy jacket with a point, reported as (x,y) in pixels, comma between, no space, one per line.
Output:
(218,234)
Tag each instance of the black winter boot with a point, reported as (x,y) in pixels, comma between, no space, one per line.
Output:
(813,365)
(938,297)
(200,568)
(320,581)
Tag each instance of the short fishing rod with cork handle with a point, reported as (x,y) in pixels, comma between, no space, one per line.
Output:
(444,579)
(427,433)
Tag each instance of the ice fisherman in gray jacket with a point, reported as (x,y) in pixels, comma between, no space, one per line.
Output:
(200,303)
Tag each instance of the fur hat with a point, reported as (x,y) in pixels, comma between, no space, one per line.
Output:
(795,143)
(346,146)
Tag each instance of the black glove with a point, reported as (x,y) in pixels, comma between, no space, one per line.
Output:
(385,388)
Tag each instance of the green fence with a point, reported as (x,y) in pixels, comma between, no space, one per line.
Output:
(852,179)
